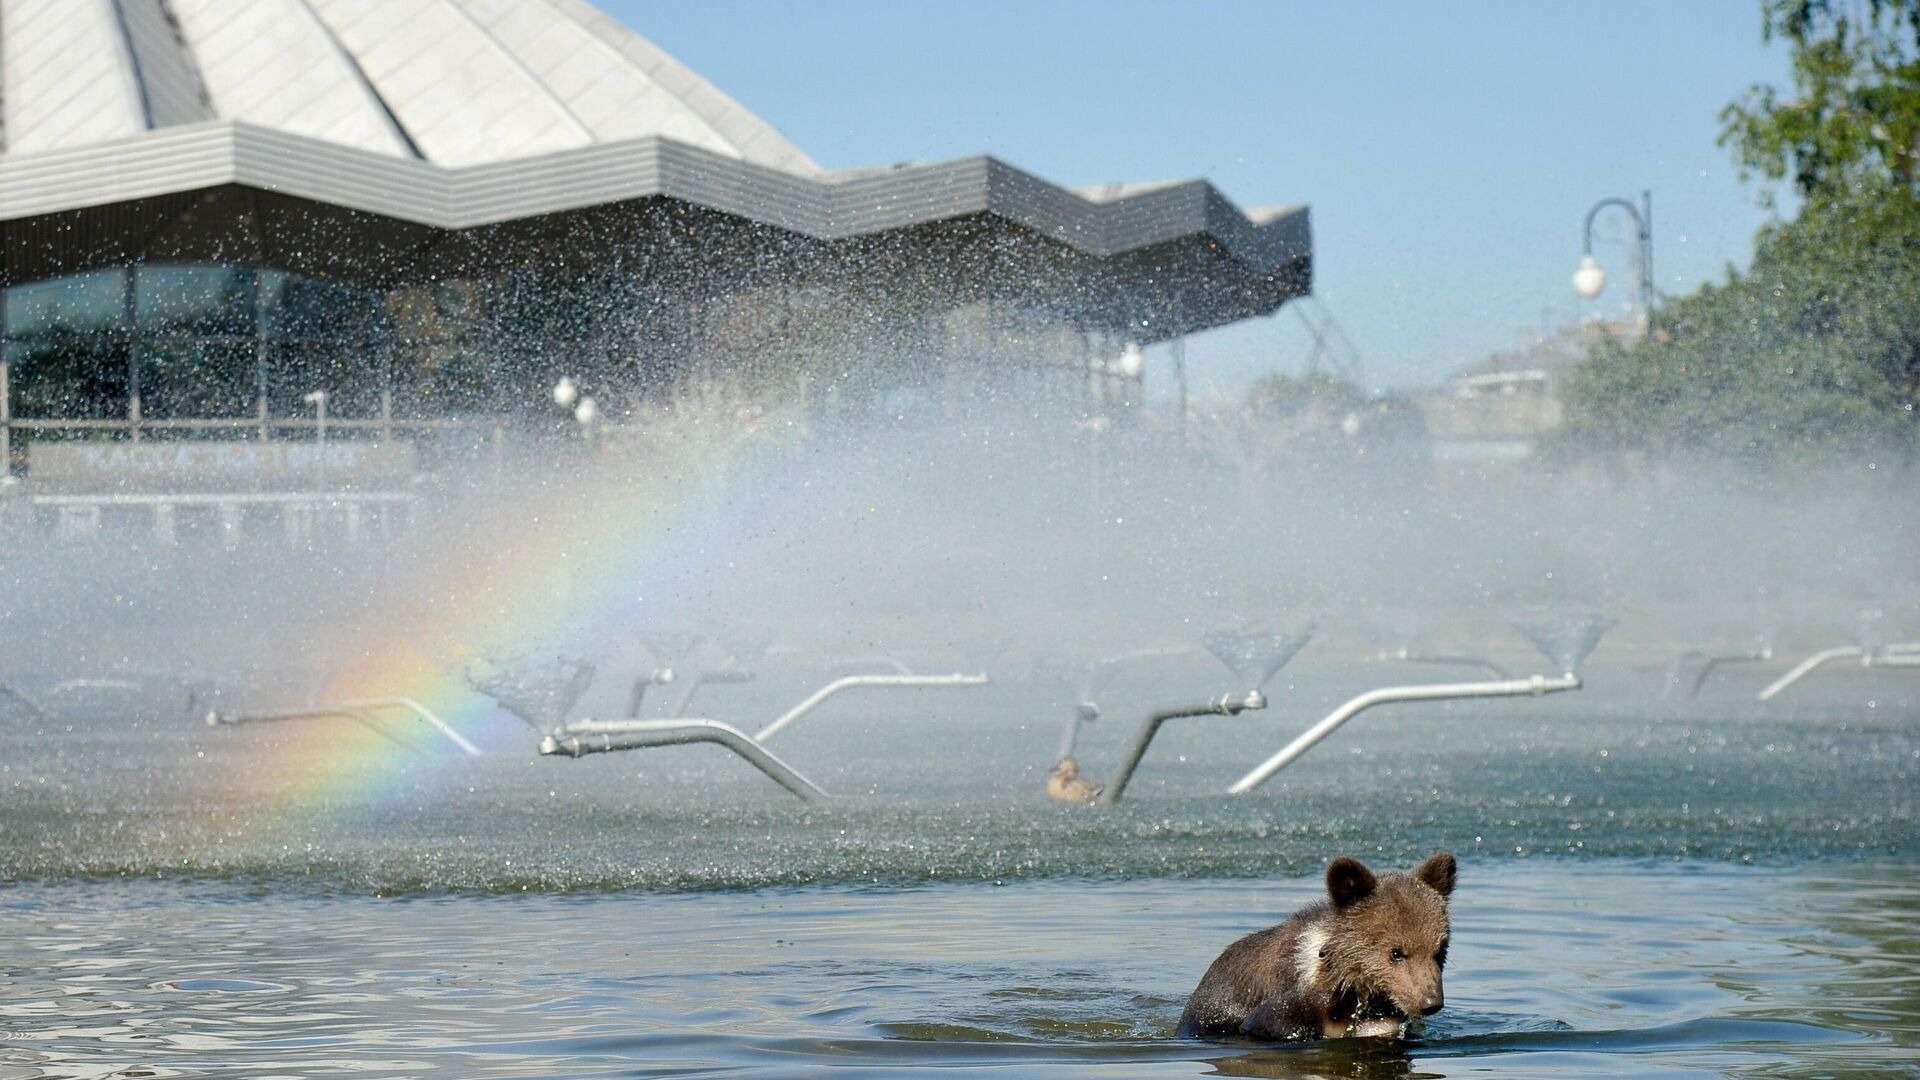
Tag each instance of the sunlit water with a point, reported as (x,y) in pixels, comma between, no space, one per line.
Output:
(1648,888)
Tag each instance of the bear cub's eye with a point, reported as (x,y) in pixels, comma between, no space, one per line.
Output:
(1396,956)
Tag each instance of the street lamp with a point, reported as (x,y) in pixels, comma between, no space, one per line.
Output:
(318,399)
(1589,279)
(566,392)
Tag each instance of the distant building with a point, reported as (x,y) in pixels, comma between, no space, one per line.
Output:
(1491,415)
(214,211)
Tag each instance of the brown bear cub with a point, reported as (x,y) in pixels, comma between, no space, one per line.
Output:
(1364,961)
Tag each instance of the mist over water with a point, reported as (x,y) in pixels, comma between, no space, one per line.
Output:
(954,532)
(932,517)
(958,532)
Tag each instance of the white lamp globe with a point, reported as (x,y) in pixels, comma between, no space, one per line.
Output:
(566,392)
(1132,361)
(1589,279)
(586,412)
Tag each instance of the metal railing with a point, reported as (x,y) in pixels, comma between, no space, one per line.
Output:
(261,424)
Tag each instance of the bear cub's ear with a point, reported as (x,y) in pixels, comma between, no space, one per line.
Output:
(1437,873)
(1349,881)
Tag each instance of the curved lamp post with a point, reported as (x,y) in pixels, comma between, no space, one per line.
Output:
(1590,279)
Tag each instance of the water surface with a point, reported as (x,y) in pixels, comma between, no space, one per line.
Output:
(1647,888)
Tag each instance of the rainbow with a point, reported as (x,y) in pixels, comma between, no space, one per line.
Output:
(575,557)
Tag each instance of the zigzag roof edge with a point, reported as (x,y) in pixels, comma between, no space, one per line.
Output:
(828,207)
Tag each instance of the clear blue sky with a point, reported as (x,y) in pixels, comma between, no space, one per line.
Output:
(1448,151)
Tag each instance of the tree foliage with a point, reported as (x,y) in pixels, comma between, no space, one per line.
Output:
(1814,352)
(1280,393)
(1853,123)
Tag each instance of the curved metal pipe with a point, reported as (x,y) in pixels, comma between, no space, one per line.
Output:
(850,682)
(1098,675)
(1224,705)
(1534,686)
(1102,671)
(68,686)
(351,707)
(637,694)
(1897,655)
(881,659)
(1084,713)
(703,678)
(1805,667)
(26,702)
(591,737)
(1708,661)
(1411,657)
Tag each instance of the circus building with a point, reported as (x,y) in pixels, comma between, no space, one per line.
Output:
(404,221)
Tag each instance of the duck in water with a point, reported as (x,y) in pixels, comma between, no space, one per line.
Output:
(1065,784)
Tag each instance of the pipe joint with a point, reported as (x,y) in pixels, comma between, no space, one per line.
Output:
(1235,704)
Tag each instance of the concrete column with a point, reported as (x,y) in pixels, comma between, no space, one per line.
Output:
(164,531)
(79,521)
(230,513)
(6,401)
(296,522)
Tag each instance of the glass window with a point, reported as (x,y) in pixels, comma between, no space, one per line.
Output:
(303,309)
(68,379)
(194,379)
(349,372)
(195,299)
(80,304)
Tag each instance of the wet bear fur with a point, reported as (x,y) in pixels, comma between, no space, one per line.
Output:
(1364,961)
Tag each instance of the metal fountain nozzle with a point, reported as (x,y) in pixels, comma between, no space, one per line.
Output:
(1224,705)
(1235,704)
(1089,712)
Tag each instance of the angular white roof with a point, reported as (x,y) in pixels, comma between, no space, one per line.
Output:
(456,115)
(453,83)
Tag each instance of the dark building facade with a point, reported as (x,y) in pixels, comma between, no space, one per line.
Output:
(222,220)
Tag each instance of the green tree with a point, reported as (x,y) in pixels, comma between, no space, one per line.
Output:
(1280,393)
(1853,123)
(1814,352)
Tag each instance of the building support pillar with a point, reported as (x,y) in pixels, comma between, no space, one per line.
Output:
(131,311)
